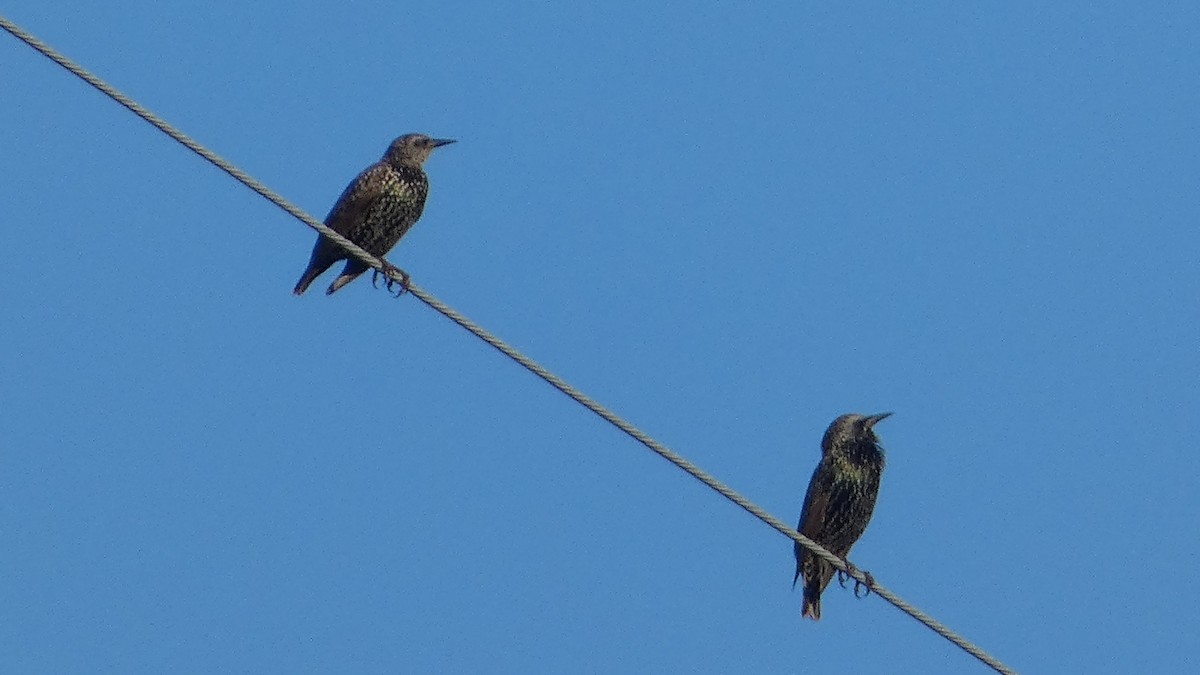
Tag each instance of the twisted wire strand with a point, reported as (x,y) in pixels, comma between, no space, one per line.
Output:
(708,479)
(504,348)
(185,140)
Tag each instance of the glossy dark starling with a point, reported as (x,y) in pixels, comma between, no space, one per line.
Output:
(375,210)
(840,500)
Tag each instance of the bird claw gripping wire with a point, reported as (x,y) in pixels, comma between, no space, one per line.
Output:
(866,586)
(391,283)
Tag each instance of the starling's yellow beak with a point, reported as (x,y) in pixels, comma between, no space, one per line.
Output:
(439,142)
(872,420)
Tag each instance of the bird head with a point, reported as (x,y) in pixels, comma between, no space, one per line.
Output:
(413,149)
(852,429)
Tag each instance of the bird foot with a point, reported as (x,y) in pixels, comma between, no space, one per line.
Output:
(866,586)
(391,283)
(842,575)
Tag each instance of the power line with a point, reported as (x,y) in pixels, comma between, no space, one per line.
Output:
(504,348)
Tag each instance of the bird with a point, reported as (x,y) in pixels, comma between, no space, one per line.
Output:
(839,502)
(378,208)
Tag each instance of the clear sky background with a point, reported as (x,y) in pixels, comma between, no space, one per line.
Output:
(729,222)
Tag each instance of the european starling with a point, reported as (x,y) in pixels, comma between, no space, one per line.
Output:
(840,501)
(375,210)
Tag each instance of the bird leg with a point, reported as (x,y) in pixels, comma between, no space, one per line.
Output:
(389,268)
(866,586)
(842,575)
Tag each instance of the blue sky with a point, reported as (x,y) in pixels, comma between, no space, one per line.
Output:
(729,223)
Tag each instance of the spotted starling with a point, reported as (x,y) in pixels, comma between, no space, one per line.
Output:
(840,500)
(375,210)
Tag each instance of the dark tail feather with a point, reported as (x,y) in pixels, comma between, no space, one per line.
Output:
(812,603)
(314,270)
(353,269)
(816,578)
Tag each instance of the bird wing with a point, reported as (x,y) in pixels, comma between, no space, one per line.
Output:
(812,516)
(356,199)
(816,503)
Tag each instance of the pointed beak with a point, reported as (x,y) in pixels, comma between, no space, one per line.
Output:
(872,420)
(439,142)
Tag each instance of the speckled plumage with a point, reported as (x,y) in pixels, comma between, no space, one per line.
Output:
(378,208)
(840,500)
